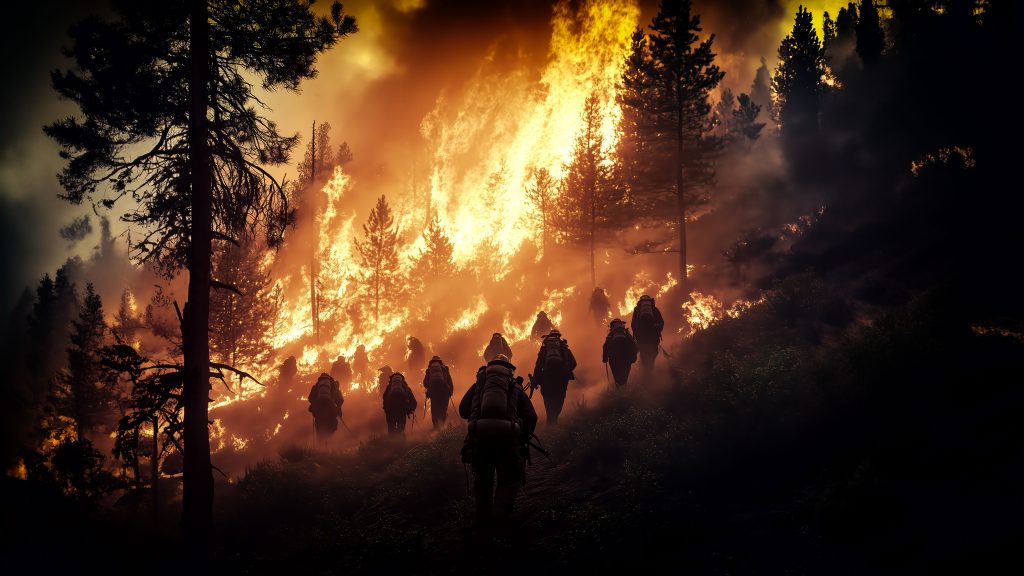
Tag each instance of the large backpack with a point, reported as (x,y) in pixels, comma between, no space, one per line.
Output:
(496,417)
(643,315)
(554,360)
(437,384)
(622,346)
(323,399)
(396,397)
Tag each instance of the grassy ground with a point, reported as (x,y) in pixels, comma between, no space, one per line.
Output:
(802,437)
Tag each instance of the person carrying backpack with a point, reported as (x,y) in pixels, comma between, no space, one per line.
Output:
(647,325)
(325,402)
(399,403)
(552,372)
(360,364)
(599,305)
(341,372)
(384,378)
(541,327)
(497,345)
(501,422)
(466,404)
(438,386)
(417,355)
(619,351)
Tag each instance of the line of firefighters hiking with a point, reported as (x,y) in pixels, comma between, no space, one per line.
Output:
(553,369)
(498,407)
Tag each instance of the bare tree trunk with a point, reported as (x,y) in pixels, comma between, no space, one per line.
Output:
(545,222)
(314,306)
(197,489)
(233,335)
(79,410)
(545,239)
(376,294)
(680,197)
(593,226)
(155,472)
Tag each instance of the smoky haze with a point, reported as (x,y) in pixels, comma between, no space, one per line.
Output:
(398,92)
(441,59)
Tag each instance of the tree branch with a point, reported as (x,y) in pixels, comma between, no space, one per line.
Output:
(222,286)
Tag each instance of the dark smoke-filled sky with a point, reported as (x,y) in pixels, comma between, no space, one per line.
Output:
(374,88)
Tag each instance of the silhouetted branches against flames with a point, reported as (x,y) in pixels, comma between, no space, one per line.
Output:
(171,121)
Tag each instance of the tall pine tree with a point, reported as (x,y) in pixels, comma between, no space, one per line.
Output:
(379,256)
(670,95)
(126,323)
(643,163)
(81,395)
(870,37)
(586,194)
(169,119)
(761,88)
(435,259)
(541,194)
(797,83)
(828,31)
(242,316)
(744,119)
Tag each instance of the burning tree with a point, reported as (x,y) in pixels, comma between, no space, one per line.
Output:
(126,323)
(170,120)
(586,195)
(435,260)
(242,318)
(665,89)
(316,165)
(319,158)
(541,195)
(379,253)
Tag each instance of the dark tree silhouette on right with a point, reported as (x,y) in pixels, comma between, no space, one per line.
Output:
(667,80)
(846,24)
(870,37)
(797,83)
(828,31)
